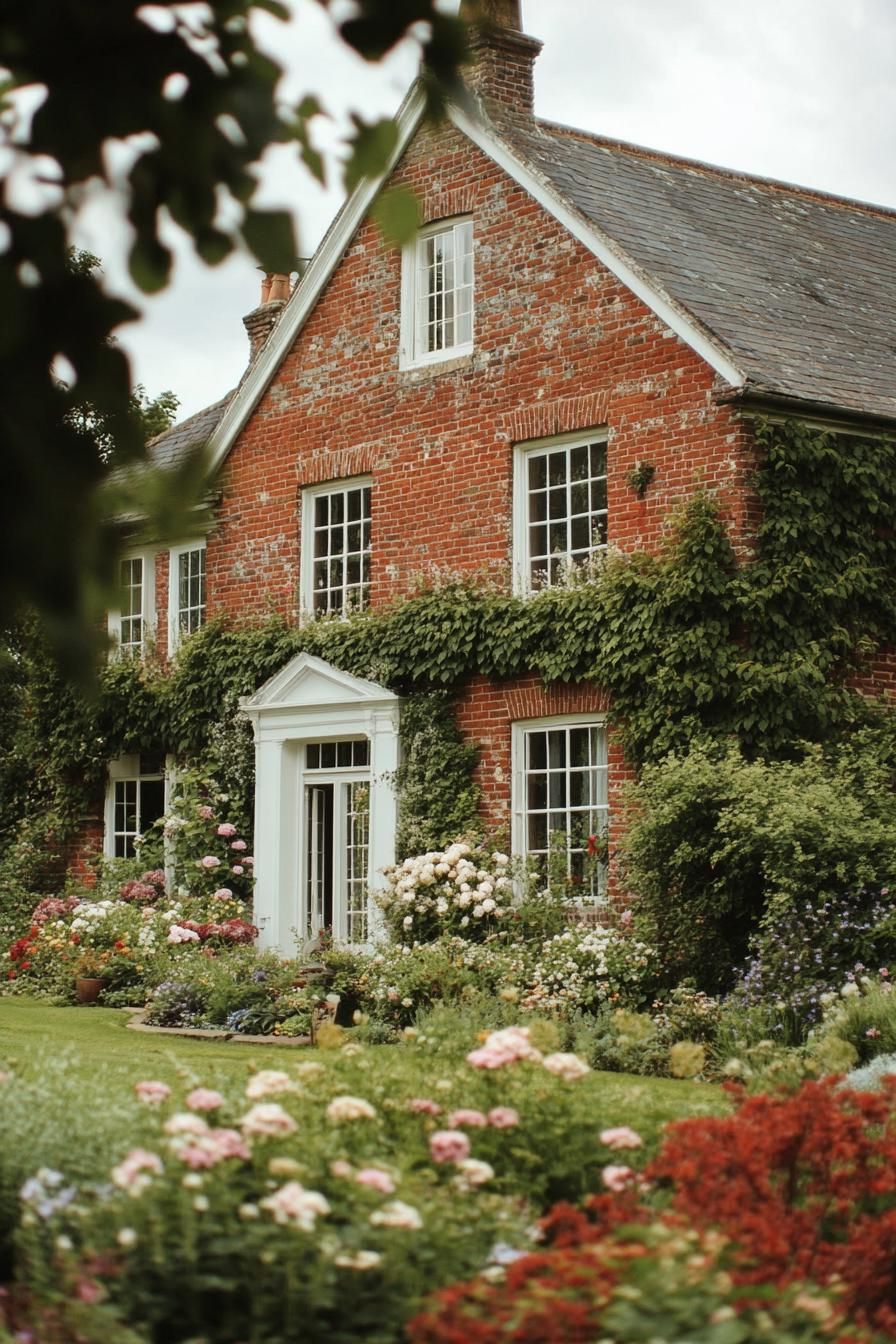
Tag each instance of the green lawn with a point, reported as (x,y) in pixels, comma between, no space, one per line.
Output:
(69,1102)
(88,1044)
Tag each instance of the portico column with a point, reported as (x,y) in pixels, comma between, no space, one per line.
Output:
(276,894)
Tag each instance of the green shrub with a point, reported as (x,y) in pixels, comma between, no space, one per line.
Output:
(804,949)
(864,1015)
(715,840)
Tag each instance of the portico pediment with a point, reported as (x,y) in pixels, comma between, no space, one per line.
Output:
(307,682)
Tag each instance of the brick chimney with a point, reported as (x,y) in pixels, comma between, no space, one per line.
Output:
(503,55)
(275,290)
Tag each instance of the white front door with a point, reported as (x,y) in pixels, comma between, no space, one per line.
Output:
(335,831)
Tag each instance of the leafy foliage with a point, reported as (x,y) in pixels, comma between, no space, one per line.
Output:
(777,1225)
(194,97)
(716,840)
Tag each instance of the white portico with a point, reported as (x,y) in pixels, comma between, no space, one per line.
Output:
(326,752)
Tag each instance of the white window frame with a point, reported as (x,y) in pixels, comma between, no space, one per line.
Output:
(413,352)
(122,770)
(148,606)
(306,561)
(175,633)
(522,453)
(519,800)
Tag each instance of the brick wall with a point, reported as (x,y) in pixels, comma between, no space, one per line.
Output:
(560,346)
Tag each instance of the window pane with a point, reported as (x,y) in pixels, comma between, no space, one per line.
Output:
(538,471)
(569,484)
(341,551)
(557,749)
(152,802)
(537,750)
(575,807)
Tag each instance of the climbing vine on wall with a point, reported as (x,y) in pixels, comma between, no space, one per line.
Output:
(694,643)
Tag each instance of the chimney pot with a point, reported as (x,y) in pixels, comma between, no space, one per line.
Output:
(275,290)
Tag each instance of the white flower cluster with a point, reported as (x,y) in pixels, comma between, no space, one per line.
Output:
(90,913)
(451,889)
(585,967)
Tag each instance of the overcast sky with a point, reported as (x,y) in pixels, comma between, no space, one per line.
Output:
(803,90)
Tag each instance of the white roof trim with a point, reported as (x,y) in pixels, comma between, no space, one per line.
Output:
(603,247)
(351,216)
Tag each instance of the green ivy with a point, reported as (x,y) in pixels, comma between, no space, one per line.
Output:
(691,644)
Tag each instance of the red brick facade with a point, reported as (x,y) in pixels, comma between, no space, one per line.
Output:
(560,346)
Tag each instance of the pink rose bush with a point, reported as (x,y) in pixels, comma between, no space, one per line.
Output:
(152,1092)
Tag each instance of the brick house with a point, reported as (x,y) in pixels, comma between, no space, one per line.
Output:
(477,402)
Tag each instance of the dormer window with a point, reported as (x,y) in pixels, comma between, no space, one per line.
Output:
(437,294)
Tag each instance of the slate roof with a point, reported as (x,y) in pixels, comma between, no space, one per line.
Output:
(799,287)
(169,447)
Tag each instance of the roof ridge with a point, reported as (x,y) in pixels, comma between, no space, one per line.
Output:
(711,169)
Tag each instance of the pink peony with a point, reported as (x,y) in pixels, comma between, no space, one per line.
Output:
(185,1123)
(153,1093)
(239,844)
(342,1109)
(238,870)
(616,1178)
(268,1083)
(208,862)
(423,1106)
(397,1214)
(293,1205)
(178,934)
(204,1099)
(471,1172)
(222,894)
(247,858)
(206,813)
(268,1120)
(503,1117)
(201,1151)
(449,1145)
(504,1047)
(226,829)
(132,1174)
(567,1067)
(375,1179)
(621,1137)
(472,1119)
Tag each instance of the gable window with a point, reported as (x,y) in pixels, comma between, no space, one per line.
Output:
(135,799)
(560,807)
(186,591)
(335,561)
(437,294)
(132,624)
(560,508)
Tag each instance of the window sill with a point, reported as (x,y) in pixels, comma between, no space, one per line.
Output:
(430,368)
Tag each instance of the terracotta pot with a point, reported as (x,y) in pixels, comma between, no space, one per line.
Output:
(88,989)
